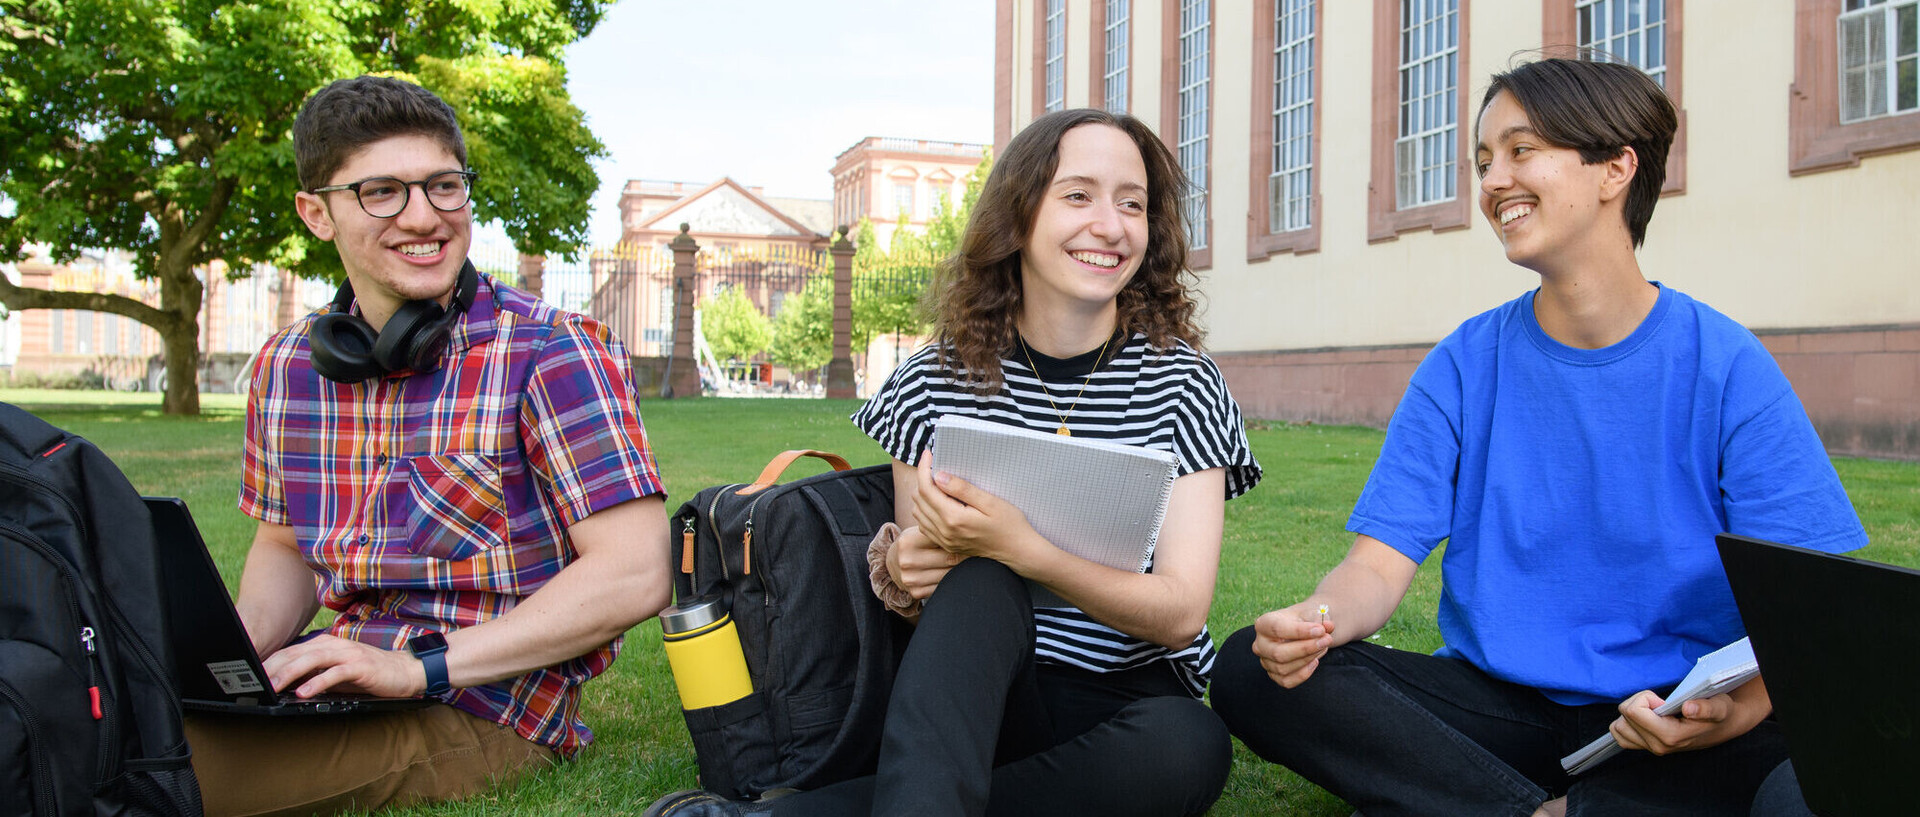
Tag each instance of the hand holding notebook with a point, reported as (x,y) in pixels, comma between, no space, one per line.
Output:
(1098,500)
(1716,672)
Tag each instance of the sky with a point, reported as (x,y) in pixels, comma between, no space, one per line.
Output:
(768,92)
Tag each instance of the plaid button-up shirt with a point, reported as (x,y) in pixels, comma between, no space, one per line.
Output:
(438,500)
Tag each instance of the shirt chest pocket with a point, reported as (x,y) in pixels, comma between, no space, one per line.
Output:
(458,508)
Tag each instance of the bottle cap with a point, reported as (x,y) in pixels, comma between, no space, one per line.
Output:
(692,614)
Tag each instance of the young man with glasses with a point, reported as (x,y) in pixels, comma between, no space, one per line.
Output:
(456,469)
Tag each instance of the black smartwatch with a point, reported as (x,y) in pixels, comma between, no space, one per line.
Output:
(431,649)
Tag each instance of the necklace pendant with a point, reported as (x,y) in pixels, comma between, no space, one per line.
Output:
(1063,431)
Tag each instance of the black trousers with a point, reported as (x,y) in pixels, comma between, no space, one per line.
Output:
(1401,733)
(975,726)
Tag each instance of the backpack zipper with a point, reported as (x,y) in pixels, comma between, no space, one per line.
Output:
(686,549)
(746,547)
(93,672)
(42,773)
(97,697)
(713,525)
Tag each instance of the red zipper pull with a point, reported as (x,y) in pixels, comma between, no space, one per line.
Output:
(93,691)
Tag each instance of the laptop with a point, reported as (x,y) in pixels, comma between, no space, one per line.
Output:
(214,662)
(1836,640)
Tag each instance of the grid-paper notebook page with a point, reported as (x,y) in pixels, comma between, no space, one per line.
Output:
(1098,500)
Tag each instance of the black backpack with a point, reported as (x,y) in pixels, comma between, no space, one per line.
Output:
(792,561)
(89,719)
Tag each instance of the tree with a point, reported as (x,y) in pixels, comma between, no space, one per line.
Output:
(889,286)
(736,329)
(163,127)
(803,332)
(945,227)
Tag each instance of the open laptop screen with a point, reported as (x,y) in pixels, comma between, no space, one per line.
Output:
(215,665)
(1836,640)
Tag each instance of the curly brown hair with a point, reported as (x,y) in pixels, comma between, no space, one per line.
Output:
(979,293)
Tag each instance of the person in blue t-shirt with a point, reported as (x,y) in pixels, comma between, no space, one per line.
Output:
(1576,449)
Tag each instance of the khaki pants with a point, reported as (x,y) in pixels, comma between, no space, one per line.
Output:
(251,764)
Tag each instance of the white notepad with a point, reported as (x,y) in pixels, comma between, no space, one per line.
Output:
(1099,500)
(1716,672)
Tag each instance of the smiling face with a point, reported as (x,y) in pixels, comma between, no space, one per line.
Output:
(1090,231)
(1547,206)
(413,256)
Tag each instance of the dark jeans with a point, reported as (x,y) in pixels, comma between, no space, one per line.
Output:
(1396,733)
(1780,795)
(975,726)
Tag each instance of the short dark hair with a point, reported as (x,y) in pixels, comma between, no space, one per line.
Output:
(980,297)
(1598,108)
(350,114)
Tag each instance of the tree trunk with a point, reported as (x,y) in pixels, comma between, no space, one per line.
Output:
(180,294)
(182,342)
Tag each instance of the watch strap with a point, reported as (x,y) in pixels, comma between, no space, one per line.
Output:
(436,665)
(431,649)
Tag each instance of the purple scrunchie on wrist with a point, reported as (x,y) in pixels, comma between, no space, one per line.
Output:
(895,597)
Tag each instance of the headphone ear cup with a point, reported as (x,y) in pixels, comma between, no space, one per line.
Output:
(342,347)
(423,352)
(396,347)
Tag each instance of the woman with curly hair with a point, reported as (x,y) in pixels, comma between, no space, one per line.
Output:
(1068,309)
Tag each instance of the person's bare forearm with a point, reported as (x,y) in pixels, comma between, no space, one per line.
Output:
(620,579)
(1361,592)
(278,591)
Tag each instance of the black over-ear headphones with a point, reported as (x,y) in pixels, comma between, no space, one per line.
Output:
(347,350)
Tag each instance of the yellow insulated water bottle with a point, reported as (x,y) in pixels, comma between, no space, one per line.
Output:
(703,647)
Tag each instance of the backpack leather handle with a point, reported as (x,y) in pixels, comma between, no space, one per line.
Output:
(771,474)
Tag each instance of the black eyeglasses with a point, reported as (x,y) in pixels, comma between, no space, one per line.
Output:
(386,197)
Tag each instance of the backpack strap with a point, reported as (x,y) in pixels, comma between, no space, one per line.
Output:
(873,626)
(771,474)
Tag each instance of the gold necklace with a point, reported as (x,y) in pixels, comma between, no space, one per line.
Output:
(1049,392)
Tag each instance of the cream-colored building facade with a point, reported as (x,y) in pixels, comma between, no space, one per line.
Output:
(1798,226)
(892,181)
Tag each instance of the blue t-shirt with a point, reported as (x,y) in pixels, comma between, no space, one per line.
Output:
(1580,490)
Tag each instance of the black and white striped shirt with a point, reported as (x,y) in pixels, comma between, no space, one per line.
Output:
(1170,399)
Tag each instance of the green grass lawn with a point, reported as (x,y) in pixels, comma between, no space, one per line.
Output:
(1280,538)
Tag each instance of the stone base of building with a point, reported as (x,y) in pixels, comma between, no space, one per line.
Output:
(1861,385)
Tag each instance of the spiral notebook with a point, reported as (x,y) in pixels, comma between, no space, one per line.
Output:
(1099,500)
(1716,672)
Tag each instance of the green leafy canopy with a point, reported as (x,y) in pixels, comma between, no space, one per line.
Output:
(803,332)
(129,122)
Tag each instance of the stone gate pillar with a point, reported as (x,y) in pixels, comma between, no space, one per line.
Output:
(840,380)
(684,379)
(287,308)
(532,274)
